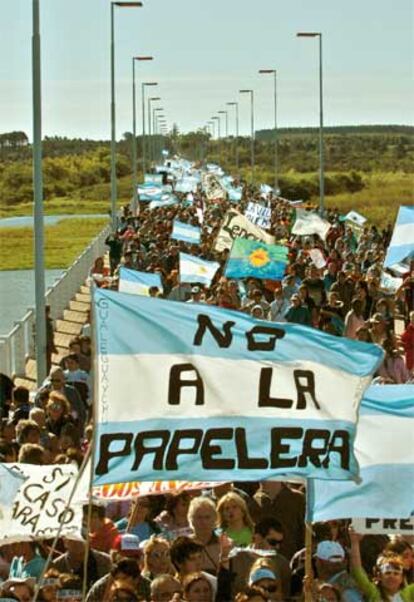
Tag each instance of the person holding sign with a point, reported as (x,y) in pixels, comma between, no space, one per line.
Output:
(389,584)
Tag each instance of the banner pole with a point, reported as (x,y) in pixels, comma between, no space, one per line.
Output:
(57,536)
(93,442)
(308,561)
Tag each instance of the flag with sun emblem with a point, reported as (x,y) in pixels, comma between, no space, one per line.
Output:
(255,259)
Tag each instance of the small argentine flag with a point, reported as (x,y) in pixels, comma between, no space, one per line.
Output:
(138,283)
(194,269)
(186,233)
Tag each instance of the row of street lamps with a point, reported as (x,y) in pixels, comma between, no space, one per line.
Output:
(156,122)
(216,119)
(156,125)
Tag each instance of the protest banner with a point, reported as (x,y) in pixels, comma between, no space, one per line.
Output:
(235,225)
(194,269)
(383,526)
(133,489)
(385,453)
(186,232)
(258,214)
(37,509)
(138,283)
(254,259)
(308,222)
(188,391)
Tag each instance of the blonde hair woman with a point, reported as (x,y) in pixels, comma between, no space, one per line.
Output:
(234,519)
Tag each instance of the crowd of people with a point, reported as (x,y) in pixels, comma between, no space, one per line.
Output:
(239,541)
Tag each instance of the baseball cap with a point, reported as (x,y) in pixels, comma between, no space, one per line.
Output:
(261,573)
(332,551)
(127,544)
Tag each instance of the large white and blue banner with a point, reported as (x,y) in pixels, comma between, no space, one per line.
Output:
(402,241)
(385,451)
(186,232)
(190,391)
(138,283)
(195,269)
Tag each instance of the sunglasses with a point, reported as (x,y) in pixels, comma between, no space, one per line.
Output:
(55,406)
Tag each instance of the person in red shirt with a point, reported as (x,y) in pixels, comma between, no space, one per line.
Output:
(102,530)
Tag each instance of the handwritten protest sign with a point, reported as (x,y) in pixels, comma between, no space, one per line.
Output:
(258,214)
(236,225)
(37,509)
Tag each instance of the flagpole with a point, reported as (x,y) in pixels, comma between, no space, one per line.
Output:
(62,522)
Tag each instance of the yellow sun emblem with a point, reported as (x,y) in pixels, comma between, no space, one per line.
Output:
(259,257)
(202,269)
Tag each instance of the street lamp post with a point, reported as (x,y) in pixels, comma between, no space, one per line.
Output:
(113,125)
(276,166)
(154,123)
(143,86)
(134,130)
(216,119)
(236,106)
(252,128)
(38,201)
(150,145)
(321,143)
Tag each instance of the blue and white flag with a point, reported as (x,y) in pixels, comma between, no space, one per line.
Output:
(138,283)
(167,200)
(186,233)
(194,269)
(187,184)
(402,241)
(150,192)
(385,452)
(189,390)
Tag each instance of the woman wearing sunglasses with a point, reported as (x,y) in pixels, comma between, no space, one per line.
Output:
(388,584)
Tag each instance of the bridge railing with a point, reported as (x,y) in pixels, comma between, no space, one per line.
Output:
(18,344)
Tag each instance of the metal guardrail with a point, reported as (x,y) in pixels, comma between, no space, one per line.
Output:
(18,344)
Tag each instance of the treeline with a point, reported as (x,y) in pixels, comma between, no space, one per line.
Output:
(79,168)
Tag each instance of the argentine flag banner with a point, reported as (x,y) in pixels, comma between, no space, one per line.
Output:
(138,283)
(255,259)
(194,269)
(402,240)
(150,192)
(186,233)
(189,391)
(385,452)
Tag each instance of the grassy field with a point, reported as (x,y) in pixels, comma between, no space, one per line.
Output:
(63,243)
(380,199)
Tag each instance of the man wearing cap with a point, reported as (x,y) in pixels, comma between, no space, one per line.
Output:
(330,565)
(125,555)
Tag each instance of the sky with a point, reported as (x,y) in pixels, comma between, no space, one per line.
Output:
(204,52)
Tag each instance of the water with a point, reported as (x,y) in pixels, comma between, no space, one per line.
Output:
(49,220)
(17,294)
